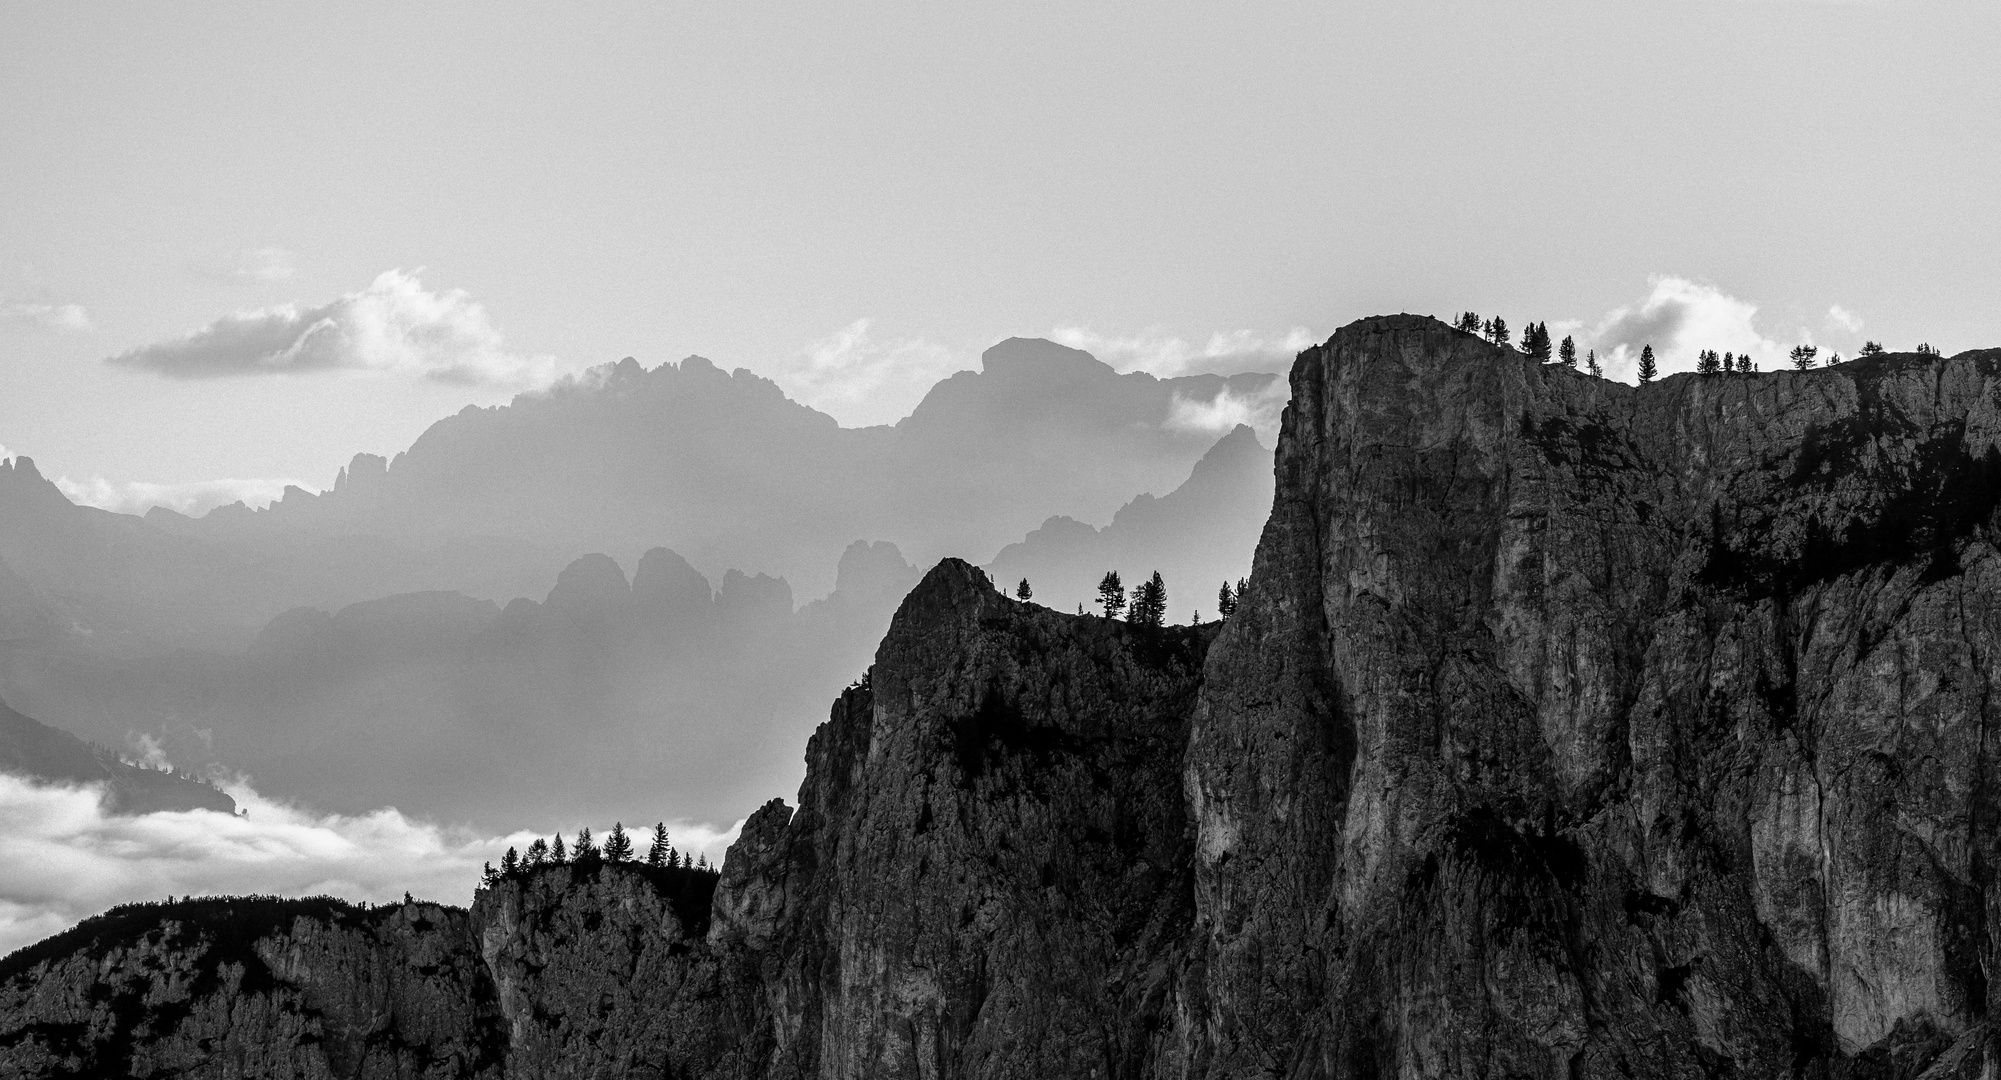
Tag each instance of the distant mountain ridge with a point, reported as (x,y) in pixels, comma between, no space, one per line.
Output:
(727,470)
(34,750)
(345,648)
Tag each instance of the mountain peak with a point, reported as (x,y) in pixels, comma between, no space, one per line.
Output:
(1040,358)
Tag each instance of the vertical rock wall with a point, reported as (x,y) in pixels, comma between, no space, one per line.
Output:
(1577,729)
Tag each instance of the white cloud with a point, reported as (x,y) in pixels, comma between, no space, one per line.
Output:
(194,499)
(63,858)
(1159,353)
(1679,318)
(1217,416)
(44,316)
(860,379)
(394,325)
(1845,319)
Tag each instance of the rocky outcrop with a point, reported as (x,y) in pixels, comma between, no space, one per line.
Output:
(604,973)
(1567,729)
(252,987)
(1577,729)
(987,872)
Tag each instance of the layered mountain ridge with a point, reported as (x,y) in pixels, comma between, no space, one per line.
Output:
(1566,729)
(453,632)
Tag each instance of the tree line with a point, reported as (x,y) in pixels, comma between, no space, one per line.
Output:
(1536,344)
(587,855)
(1146,604)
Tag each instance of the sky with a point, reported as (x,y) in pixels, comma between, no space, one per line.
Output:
(244,242)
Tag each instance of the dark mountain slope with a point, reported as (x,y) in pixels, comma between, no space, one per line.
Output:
(39,752)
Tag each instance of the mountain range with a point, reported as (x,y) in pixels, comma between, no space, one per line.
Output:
(1565,729)
(376,644)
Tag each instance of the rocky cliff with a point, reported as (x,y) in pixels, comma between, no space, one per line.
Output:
(1571,728)
(1567,729)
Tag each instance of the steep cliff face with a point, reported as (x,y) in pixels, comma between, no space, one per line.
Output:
(987,873)
(252,987)
(1577,729)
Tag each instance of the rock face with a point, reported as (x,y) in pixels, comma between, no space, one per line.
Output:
(988,871)
(1567,729)
(251,987)
(1577,729)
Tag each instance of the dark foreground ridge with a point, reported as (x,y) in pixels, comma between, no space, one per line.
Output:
(1566,729)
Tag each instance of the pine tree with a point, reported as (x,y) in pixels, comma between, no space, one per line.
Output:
(1149,602)
(1833,359)
(1647,368)
(1487,329)
(510,862)
(618,846)
(1591,365)
(556,853)
(1022,591)
(1535,342)
(538,853)
(1707,362)
(656,855)
(1926,348)
(1226,602)
(1872,348)
(1729,363)
(1468,323)
(1803,356)
(1500,330)
(1567,352)
(1112,594)
(487,877)
(585,855)
(1240,592)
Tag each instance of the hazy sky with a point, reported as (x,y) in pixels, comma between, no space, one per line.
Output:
(368,216)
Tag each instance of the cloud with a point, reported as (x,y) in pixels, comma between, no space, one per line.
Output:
(395,325)
(1679,318)
(63,858)
(1162,354)
(194,499)
(43,316)
(1260,409)
(1847,320)
(860,379)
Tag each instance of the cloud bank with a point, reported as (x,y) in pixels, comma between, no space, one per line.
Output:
(1261,410)
(1679,318)
(43,316)
(62,858)
(1162,354)
(394,325)
(194,500)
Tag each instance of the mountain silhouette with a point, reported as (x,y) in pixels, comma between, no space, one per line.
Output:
(425,633)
